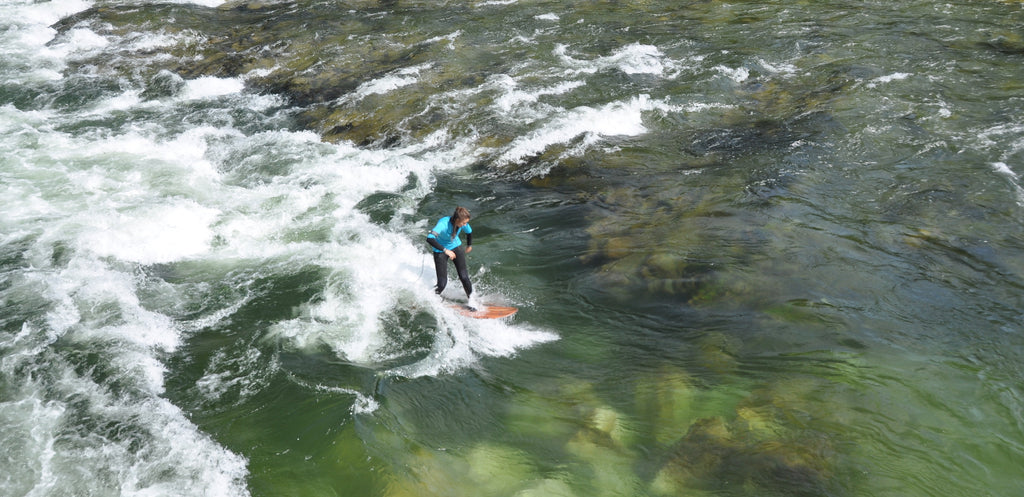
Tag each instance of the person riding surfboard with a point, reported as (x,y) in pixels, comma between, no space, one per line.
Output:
(447,246)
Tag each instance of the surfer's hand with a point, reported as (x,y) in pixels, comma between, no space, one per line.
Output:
(469,249)
(450,254)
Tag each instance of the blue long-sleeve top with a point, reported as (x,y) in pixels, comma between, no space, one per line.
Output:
(445,236)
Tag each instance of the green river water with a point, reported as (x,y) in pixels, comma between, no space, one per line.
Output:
(760,248)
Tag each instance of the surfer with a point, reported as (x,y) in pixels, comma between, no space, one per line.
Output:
(444,239)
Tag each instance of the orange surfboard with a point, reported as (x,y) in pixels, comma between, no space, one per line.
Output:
(485,311)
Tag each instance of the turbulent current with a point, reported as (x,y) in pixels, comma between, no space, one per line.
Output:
(760,248)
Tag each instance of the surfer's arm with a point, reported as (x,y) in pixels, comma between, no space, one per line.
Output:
(434,243)
(469,242)
(432,240)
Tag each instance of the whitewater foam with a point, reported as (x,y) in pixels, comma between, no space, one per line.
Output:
(212,87)
(466,340)
(241,373)
(204,3)
(42,14)
(26,428)
(87,209)
(79,41)
(587,125)
(152,234)
(105,212)
(881,80)
(635,58)
(1002,168)
(738,74)
(147,448)
(1013,177)
(397,79)
(520,104)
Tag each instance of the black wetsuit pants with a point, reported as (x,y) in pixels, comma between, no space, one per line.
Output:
(441,266)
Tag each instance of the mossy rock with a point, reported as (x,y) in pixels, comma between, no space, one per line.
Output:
(163,84)
(428,473)
(499,470)
(666,402)
(718,352)
(715,455)
(547,488)
(614,424)
(611,467)
(1007,42)
(697,457)
(553,415)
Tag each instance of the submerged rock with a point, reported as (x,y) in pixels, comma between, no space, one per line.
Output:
(499,470)
(763,444)
(718,352)
(612,423)
(719,456)
(695,460)
(611,466)
(668,403)
(547,488)
(164,84)
(651,241)
(487,469)
(309,54)
(1007,42)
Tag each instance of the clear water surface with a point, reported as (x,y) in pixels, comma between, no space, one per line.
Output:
(760,248)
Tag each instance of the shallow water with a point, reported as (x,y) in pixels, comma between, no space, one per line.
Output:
(759,248)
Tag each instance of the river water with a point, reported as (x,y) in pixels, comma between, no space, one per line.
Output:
(768,248)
